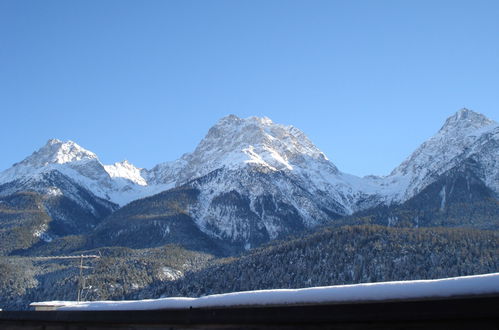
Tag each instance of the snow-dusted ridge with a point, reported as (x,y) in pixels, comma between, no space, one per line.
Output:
(399,290)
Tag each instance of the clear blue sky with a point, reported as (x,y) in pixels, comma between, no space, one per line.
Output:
(367,81)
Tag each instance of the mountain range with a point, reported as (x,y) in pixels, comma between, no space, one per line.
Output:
(247,182)
(256,205)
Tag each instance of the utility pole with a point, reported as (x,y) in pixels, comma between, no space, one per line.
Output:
(81,285)
(81,278)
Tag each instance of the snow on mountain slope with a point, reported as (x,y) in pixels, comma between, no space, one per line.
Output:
(465,134)
(252,205)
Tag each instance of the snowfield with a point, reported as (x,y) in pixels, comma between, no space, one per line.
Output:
(382,291)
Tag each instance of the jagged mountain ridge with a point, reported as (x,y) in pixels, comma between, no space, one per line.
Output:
(255,169)
(235,143)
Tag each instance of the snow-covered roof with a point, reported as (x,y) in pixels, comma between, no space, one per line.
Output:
(382,291)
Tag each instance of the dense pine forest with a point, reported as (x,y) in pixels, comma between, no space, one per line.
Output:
(345,255)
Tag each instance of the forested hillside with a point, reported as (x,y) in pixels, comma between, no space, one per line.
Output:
(344,255)
(117,273)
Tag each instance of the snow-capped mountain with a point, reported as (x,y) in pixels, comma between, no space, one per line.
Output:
(255,181)
(67,160)
(119,183)
(466,134)
(68,183)
(52,155)
(235,143)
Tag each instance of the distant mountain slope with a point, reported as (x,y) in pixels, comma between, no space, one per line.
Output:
(457,198)
(227,210)
(45,207)
(156,221)
(23,221)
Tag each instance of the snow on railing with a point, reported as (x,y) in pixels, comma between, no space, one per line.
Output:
(381,291)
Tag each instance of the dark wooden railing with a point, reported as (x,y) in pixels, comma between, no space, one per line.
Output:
(471,312)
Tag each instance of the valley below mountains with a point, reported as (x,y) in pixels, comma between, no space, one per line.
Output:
(256,205)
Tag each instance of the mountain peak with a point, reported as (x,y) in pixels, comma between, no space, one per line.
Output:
(456,140)
(234,134)
(465,120)
(58,152)
(235,142)
(229,118)
(232,120)
(126,170)
(235,131)
(53,141)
